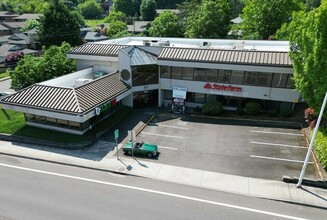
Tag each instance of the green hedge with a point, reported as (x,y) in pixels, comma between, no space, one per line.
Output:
(321,147)
(252,108)
(212,108)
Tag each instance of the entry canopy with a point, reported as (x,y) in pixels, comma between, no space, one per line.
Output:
(179,92)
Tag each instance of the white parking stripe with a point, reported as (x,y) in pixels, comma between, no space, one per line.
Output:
(280,159)
(169,148)
(159,193)
(167,126)
(162,135)
(274,132)
(272,144)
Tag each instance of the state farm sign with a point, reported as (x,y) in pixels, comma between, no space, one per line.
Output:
(216,86)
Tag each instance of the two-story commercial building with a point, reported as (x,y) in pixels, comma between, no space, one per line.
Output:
(141,72)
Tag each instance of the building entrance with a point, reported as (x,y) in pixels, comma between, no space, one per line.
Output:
(145,99)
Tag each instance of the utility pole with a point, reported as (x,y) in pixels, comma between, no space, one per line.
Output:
(298,185)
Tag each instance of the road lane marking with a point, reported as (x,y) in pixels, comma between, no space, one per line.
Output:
(168,126)
(169,148)
(162,135)
(272,144)
(158,192)
(280,159)
(275,132)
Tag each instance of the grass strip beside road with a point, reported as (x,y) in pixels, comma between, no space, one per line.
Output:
(3,75)
(12,122)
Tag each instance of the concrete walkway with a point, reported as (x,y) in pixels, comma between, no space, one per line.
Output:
(89,158)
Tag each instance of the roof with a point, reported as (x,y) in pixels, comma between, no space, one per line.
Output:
(3,40)
(237,20)
(77,100)
(159,11)
(141,57)
(94,36)
(29,16)
(7,14)
(3,28)
(138,26)
(97,49)
(14,25)
(242,57)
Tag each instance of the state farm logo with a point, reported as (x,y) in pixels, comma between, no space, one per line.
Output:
(216,86)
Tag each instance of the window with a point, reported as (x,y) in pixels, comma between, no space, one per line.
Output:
(224,76)
(190,96)
(168,94)
(211,98)
(290,82)
(164,71)
(264,79)
(237,77)
(176,72)
(211,75)
(199,98)
(279,80)
(199,74)
(187,73)
(250,78)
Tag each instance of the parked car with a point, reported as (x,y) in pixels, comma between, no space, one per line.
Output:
(141,148)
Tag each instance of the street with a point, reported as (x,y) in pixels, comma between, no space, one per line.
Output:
(39,190)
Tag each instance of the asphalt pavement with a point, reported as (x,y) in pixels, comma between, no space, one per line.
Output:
(102,156)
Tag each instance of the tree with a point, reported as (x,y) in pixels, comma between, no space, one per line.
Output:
(125,6)
(115,16)
(148,10)
(308,34)
(310,4)
(12,58)
(211,20)
(262,18)
(165,25)
(32,70)
(78,17)
(116,27)
(187,8)
(30,24)
(236,7)
(90,9)
(58,25)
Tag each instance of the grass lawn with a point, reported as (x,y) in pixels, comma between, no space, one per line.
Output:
(2,75)
(94,22)
(12,122)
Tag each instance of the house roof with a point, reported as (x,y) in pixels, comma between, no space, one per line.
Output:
(159,11)
(242,57)
(19,36)
(7,14)
(138,26)
(14,25)
(3,40)
(94,36)
(29,16)
(76,100)
(3,28)
(97,49)
(6,49)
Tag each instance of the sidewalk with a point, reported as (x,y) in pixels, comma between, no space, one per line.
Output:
(102,156)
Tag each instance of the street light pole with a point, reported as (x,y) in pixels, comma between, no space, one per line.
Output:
(298,185)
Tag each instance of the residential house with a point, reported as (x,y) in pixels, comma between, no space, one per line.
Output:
(4,30)
(94,37)
(7,16)
(14,27)
(25,17)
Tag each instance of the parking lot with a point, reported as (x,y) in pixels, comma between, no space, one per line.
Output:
(232,147)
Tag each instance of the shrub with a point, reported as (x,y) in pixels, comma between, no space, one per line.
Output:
(212,108)
(287,113)
(240,110)
(252,108)
(321,147)
(272,113)
(310,117)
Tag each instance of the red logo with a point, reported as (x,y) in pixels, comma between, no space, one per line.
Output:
(216,86)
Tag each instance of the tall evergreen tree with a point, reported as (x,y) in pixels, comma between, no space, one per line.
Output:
(58,25)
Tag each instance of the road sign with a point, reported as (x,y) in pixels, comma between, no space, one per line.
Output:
(116,133)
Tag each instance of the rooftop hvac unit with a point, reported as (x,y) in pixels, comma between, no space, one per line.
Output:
(146,43)
(164,43)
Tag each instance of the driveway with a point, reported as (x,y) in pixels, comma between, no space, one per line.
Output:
(232,147)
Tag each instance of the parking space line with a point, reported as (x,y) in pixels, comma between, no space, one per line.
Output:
(168,126)
(280,159)
(169,148)
(162,135)
(272,144)
(275,132)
